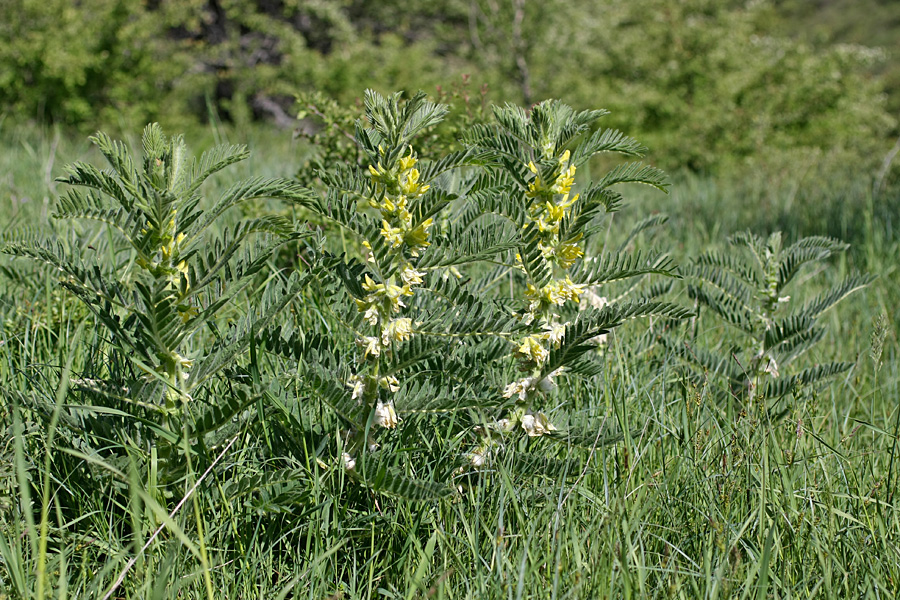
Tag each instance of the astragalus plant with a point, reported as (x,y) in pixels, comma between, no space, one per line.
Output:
(167,270)
(464,295)
(771,328)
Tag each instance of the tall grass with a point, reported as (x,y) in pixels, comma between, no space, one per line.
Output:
(703,498)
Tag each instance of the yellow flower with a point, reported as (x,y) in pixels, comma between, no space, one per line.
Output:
(389,383)
(417,238)
(370,286)
(555,292)
(409,184)
(570,290)
(392,235)
(567,253)
(408,162)
(554,333)
(410,276)
(373,305)
(554,213)
(372,345)
(536,424)
(564,181)
(397,330)
(521,388)
(359,386)
(532,350)
(534,188)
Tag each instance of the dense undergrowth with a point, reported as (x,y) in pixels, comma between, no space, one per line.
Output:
(711,491)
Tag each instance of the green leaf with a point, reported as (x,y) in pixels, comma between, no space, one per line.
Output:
(829,298)
(591,323)
(377,475)
(597,435)
(635,173)
(775,388)
(227,407)
(616,266)
(606,140)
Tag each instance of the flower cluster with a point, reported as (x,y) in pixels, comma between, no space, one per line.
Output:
(396,187)
(367,389)
(550,205)
(554,293)
(551,202)
(381,303)
(382,300)
(525,388)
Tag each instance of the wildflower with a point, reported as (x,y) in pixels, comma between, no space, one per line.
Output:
(349,463)
(547,384)
(536,424)
(358,385)
(184,363)
(567,253)
(397,330)
(555,333)
(392,235)
(410,276)
(409,184)
(554,212)
(408,162)
(479,456)
(570,290)
(532,350)
(536,186)
(520,388)
(378,294)
(451,271)
(370,256)
(385,415)
(372,345)
(390,383)
(564,181)
(417,238)
(371,314)
(555,292)
(370,286)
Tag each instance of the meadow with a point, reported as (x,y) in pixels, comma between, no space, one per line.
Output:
(702,490)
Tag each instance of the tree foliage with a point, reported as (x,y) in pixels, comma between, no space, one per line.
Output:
(705,83)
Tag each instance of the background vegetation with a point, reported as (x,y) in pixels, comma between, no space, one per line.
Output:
(767,116)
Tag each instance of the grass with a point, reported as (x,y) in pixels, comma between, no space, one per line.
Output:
(704,497)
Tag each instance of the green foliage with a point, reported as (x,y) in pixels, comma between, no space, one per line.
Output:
(771,327)
(709,85)
(654,487)
(78,63)
(164,275)
(408,289)
(328,126)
